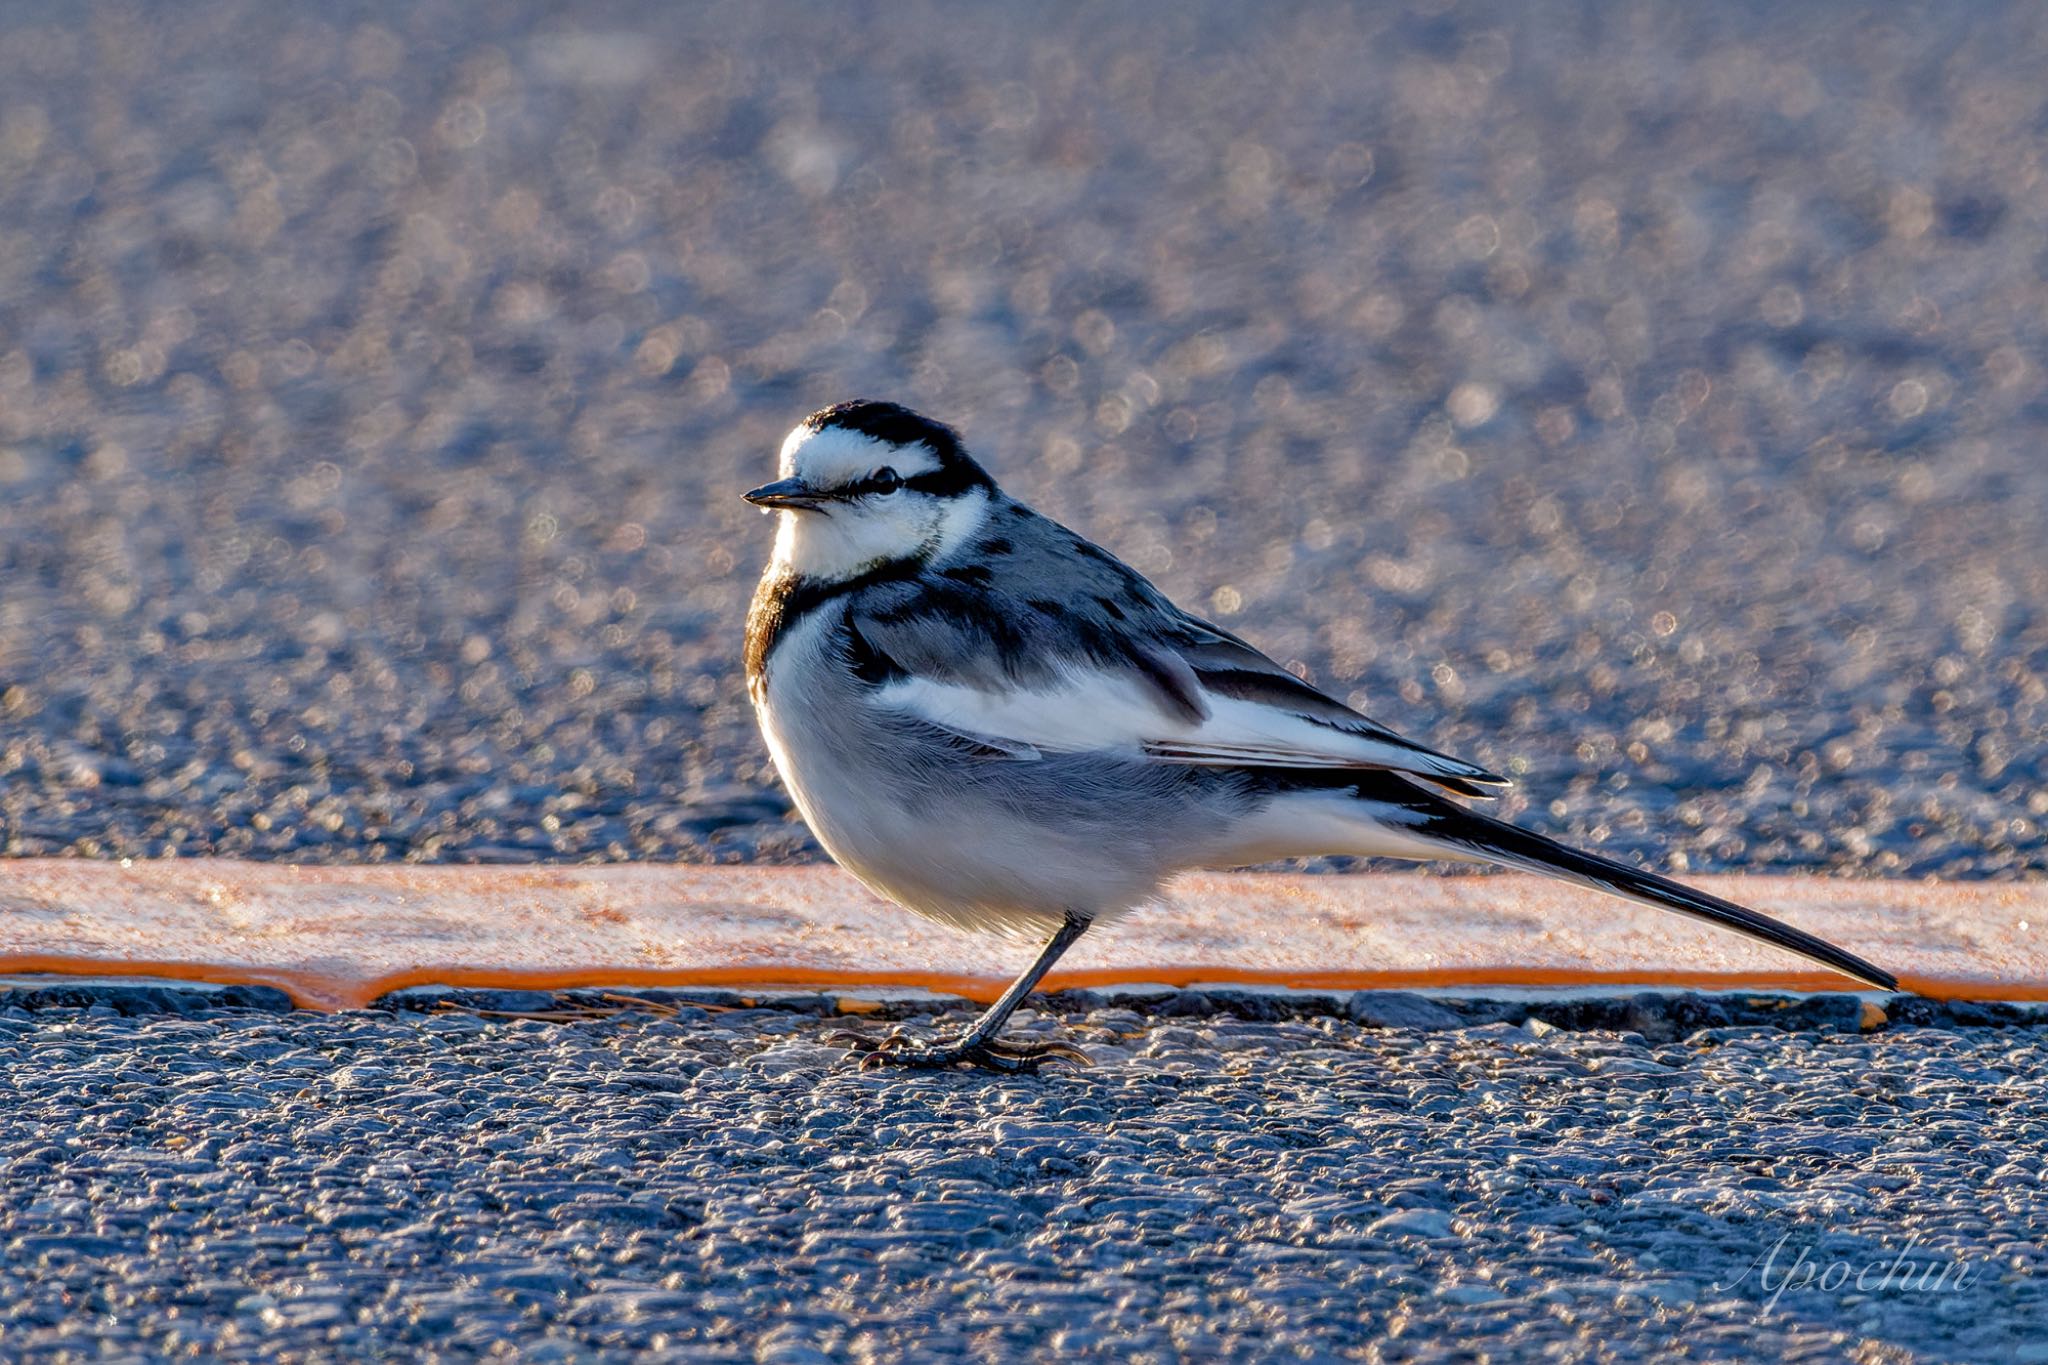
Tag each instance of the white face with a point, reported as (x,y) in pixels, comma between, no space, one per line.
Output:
(844,538)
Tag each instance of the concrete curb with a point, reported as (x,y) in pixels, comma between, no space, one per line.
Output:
(342,937)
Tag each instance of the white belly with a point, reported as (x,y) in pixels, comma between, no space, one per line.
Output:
(889,821)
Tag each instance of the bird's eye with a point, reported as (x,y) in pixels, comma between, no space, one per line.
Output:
(885,480)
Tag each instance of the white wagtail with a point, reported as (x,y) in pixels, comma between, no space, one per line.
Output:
(999,725)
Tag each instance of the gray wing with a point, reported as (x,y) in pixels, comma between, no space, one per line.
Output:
(1228,666)
(1053,645)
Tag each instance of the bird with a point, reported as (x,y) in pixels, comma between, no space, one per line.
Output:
(999,725)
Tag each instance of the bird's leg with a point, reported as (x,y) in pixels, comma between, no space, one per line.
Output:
(978,1045)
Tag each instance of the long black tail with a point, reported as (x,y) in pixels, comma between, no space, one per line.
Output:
(1503,843)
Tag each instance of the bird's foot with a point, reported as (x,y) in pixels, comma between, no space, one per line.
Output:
(900,1049)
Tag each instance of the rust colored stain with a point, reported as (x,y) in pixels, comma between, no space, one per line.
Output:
(340,937)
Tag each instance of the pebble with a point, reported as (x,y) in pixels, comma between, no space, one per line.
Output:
(1413,1223)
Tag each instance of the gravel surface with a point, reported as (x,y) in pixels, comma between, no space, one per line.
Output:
(245,1185)
(1648,402)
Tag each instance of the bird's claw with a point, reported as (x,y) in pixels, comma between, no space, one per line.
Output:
(900,1049)
(860,1042)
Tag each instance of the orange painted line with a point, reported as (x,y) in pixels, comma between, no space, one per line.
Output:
(341,937)
(323,993)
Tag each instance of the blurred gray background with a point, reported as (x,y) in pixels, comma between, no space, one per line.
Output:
(1648,400)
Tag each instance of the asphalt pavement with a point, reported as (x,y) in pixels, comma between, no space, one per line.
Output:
(244,1185)
(1646,401)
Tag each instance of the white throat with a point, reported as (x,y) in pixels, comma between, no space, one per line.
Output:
(845,542)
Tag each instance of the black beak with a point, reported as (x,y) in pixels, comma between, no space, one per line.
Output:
(791,493)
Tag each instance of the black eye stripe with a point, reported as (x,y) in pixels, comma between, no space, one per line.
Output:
(943,482)
(946,481)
